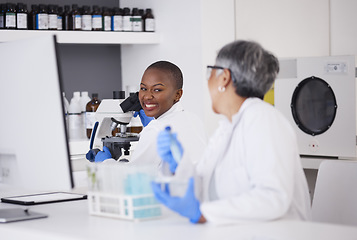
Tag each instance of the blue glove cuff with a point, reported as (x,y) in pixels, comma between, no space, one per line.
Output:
(197,217)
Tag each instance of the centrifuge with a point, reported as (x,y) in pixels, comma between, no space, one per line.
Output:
(317,95)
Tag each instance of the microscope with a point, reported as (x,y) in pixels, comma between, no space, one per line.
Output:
(110,114)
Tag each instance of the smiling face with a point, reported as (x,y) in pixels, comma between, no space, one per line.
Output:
(158,92)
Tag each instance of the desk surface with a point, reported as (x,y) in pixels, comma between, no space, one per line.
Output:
(71,220)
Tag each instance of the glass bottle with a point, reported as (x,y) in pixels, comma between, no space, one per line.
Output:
(52,17)
(2,15)
(107,17)
(59,18)
(86,19)
(149,21)
(127,26)
(65,17)
(91,108)
(21,16)
(75,18)
(96,19)
(42,18)
(117,19)
(10,16)
(136,21)
(32,17)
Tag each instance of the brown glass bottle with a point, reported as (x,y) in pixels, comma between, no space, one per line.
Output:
(136,21)
(21,16)
(91,108)
(127,25)
(65,18)
(32,17)
(75,18)
(96,19)
(2,15)
(149,21)
(52,17)
(42,18)
(107,17)
(10,16)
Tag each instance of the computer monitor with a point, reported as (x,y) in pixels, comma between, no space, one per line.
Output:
(34,151)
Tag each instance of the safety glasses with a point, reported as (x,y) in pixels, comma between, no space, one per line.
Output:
(209,70)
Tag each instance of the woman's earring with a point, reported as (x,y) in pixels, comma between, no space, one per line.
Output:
(221,89)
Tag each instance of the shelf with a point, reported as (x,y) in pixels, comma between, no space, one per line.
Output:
(84,37)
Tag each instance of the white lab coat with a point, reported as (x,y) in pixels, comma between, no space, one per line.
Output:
(190,133)
(251,169)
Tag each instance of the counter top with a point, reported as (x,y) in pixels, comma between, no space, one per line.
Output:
(71,220)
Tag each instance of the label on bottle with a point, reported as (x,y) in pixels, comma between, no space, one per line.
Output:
(10,20)
(150,25)
(90,120)
(52,21)
(107,23)
(42,21)
(97,21)
(59,22)
(75,123)
(2,25)
(137,23)
(22,21)
(77,22)
(127,25)
(87,22)
(117,23)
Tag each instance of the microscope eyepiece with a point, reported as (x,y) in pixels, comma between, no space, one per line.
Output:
(131,103)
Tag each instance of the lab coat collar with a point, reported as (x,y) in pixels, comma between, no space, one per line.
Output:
(249,101)
(177,107)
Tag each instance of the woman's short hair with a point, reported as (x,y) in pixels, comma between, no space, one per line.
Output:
(170,68)
(253,69)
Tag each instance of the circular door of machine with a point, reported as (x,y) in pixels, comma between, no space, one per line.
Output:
(313,106)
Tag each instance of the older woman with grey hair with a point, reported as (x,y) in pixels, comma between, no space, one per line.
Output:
(251,169)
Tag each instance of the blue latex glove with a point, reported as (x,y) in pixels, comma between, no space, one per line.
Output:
(144,119)
(164,141)
(187,206)
(103,155)
(91,154)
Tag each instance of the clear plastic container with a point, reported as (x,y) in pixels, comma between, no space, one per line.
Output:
(122,190)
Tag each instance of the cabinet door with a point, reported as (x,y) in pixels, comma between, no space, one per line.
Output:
(288,28)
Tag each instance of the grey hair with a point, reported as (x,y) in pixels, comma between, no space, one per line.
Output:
(253,69)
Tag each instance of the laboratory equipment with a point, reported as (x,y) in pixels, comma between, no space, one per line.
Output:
(170,151)
(34,152)
(317,96)
(122,191)
(110,114)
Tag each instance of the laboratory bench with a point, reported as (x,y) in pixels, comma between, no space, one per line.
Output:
(71,220)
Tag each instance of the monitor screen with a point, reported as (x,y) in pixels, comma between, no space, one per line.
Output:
(34,152)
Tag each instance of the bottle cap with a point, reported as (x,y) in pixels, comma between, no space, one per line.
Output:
(76,94)
(94,95)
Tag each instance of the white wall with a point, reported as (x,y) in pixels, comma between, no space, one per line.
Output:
(179,24)
(288,28)
(344,29)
